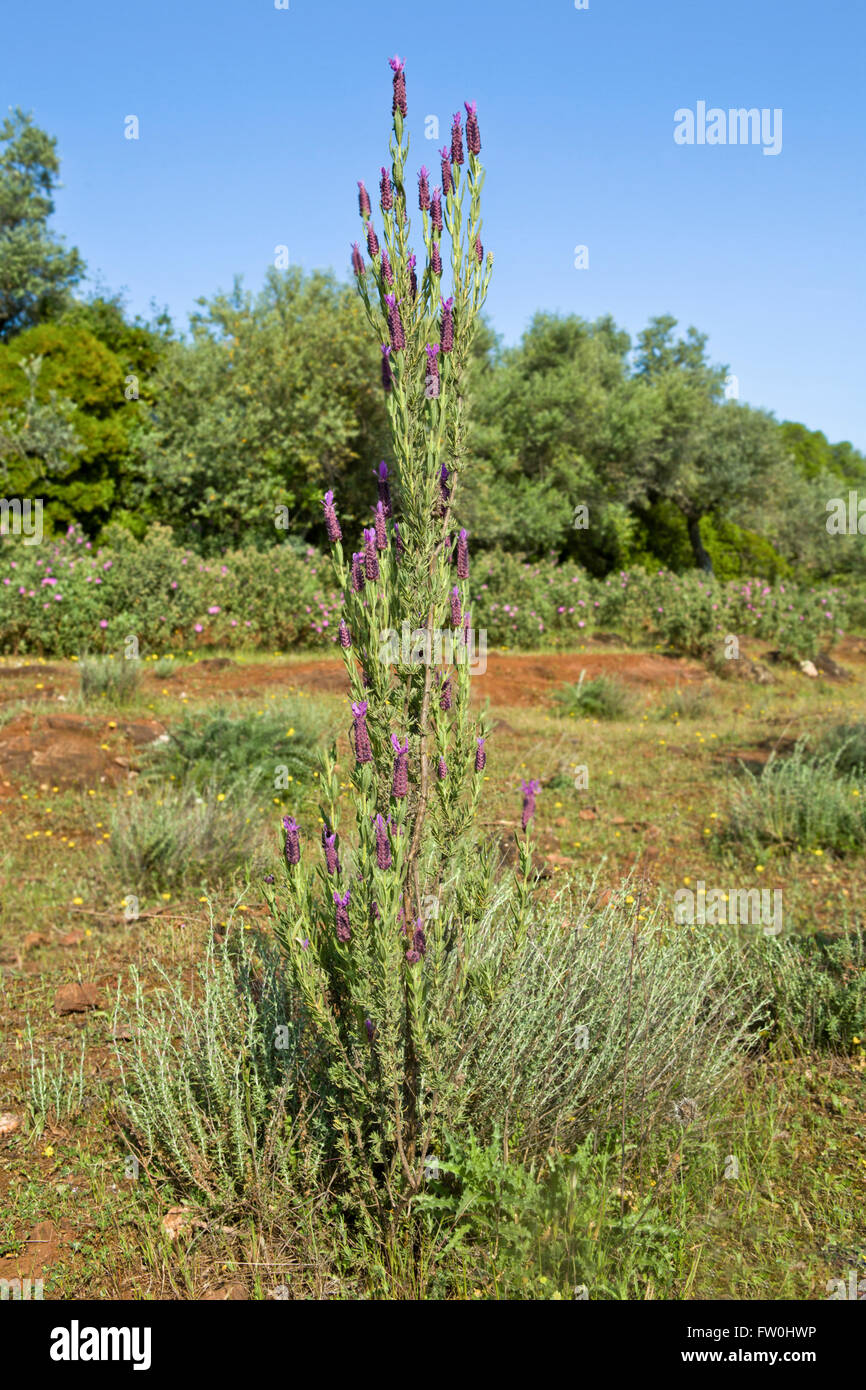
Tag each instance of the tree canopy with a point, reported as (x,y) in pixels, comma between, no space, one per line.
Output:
(581,443)
(37,272)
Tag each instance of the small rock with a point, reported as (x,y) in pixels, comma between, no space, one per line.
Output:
(755,671)
(809,669)
(179,1221)
(76,999)
(561,861)
(124,1033)
(828,667)
(9,1123)
(145,731)
(235,1292)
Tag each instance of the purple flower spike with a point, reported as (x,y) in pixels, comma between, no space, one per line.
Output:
(442,770)
(447,184)
(445,697)
(395,324)
(529,790)
(399,547)
(419,944)
(381,534)
(344,931)
(436,210)
(387,374)
(357,573)
(382,484)
(462,556)
(332,525)
(345,635)
(400,786)
(447,324)
(332,861)
(357,259)
(371,560)
(456,610)
(387,272)
(423,188)
(363,750)
(399,101)
(432,351)
(473,134)
(435,259)
(413,278)
(444,490)
(364,201)
(383,844)
(386,192)
(370,1027)
(372,241)
(479,250)
(467,619)
(293,840)
(456,140)
(480,755)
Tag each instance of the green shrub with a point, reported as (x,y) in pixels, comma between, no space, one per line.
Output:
(211,1077)
(66,597)
(799,802)
(110,678)
(603,697)
(552,1229)
(261,751)
(816,986)
(598,1016)
(686,702)
(71,597)
(546,1036)
(56,1093)
(166,839)
(845,744)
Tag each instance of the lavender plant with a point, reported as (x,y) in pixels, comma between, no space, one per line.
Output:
(370,945)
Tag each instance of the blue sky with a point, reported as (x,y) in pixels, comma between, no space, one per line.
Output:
(255,124)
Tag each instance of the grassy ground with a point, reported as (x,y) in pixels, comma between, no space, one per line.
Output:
(643,800)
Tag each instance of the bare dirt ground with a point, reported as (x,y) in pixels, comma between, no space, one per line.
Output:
(67,749)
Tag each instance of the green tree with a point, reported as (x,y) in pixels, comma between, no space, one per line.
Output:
(275,399)
(139,346)
(547,418)
(37,272)
(705,455)
(37,437)
(81,383)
